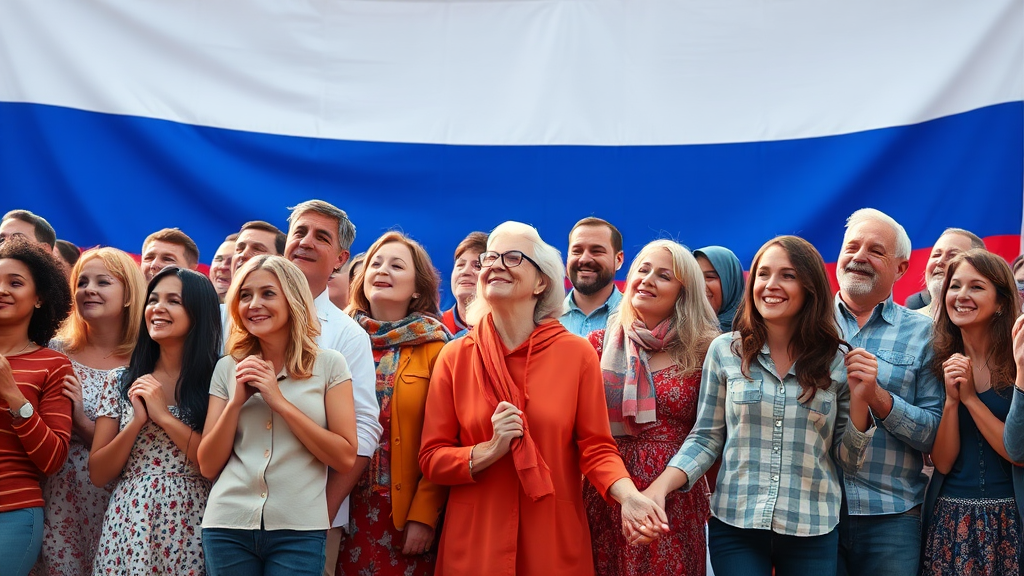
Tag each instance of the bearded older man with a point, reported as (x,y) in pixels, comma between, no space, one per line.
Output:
(880,523)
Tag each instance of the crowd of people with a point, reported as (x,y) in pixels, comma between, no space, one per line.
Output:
(300,411)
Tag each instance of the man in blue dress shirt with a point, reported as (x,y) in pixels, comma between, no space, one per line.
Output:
(595,254)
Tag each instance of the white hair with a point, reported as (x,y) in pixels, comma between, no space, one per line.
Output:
(903,246)
(549,260)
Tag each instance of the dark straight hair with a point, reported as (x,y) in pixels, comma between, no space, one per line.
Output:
(201,349)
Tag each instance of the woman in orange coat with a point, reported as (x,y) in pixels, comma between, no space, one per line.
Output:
(515,418)
(394,509)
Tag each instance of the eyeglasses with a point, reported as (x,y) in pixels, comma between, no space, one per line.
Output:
(509,259)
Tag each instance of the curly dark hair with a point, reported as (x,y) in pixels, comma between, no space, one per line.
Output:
(52,288)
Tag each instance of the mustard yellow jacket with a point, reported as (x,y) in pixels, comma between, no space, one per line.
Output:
(413,497)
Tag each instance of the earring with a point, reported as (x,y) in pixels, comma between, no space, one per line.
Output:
(999,312)
(415,296)
(39,304)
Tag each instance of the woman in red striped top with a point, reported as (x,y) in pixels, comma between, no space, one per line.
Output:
(35,415)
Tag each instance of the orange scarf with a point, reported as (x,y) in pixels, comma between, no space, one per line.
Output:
(497,386)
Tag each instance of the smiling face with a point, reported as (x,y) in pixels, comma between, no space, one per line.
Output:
(712,283)
(262,306)
(868,267)
(253,242)
(313,246)
(18,296)
(390,281)
(464,276)
(158,255)
(653,289)
(946,247)
(971,298)
(220,268)
(778,293)
(99,295)
(166,318)
(501,286)
(592,261)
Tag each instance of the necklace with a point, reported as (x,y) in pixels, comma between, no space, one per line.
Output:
(23,348)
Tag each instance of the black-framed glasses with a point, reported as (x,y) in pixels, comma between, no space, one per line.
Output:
(509,259)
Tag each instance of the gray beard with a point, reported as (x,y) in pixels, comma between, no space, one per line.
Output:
(935,287)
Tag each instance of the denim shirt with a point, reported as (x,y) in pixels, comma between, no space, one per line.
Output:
(892,479)
(581,324)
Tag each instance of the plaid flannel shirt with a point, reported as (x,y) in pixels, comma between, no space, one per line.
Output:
(779,455)
(892,480)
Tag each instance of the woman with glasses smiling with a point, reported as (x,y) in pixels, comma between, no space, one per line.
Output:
(515,418)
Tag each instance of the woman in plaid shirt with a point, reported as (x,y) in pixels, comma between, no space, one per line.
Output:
(774,406)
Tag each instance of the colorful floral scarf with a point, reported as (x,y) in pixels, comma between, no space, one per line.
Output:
(387,340)
(628,383)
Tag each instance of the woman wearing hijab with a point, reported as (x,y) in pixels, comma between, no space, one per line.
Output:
(723,282)
(515,418)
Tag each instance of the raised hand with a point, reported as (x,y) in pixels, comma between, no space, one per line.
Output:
(861,373)
(259,374)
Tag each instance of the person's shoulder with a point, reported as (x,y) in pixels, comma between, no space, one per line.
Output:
(911,319)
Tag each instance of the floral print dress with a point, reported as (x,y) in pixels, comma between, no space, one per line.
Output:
(74,506)
(683,550)
(152,524)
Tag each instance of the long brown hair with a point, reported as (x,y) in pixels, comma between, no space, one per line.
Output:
(816,339)
(427,278)
(948,339)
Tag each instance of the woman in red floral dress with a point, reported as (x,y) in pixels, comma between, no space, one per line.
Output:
(651,357)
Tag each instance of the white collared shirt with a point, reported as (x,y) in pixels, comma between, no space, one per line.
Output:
(340,332)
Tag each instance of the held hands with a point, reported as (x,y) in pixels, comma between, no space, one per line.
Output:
(958,375)
(643,518)
(861,374)
(149,392)
(418,538)
(507,422)
(257,375)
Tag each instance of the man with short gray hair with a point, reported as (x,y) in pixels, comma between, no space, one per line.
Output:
(880,523)
(953,241)
(319,238)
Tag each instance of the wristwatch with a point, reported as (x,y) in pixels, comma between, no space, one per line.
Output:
(25,412)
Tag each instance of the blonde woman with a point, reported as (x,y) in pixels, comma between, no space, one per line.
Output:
(99,336)
(651,357)
(281,412)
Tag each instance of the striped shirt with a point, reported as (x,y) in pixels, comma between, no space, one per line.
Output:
(892,480)
(779,455)
(36,446)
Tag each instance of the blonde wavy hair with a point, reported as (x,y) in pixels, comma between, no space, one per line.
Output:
(304,327)
(695,321)
(74,332)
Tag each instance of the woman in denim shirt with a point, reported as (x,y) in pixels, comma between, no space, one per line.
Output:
(775,405)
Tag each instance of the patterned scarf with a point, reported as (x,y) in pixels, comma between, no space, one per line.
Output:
(628,383)
(387,340)
(498,386)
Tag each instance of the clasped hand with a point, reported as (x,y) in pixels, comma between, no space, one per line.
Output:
(254,374)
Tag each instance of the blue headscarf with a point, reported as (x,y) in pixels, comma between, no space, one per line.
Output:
(730,271)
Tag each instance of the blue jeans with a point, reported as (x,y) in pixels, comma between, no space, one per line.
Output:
(21,537)
(747,552)
(883,545)
(231,552)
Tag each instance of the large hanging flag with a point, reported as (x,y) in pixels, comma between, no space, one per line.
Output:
(724,122)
